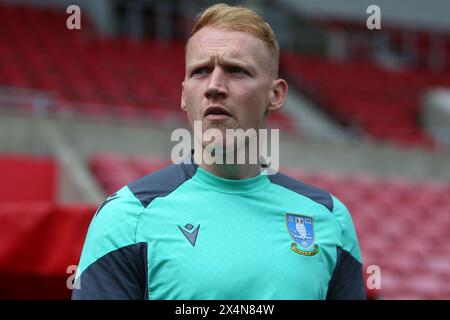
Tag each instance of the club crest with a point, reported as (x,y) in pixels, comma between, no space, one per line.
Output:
(301,229)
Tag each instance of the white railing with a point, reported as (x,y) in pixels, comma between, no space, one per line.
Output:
(47,103)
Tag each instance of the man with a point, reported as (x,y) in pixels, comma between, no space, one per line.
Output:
(223,231)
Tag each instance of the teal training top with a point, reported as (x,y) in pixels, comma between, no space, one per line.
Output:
(184,233)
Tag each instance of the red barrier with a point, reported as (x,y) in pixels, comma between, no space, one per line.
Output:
(38,242)
(27,178)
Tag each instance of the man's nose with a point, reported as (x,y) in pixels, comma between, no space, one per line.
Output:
(216,86)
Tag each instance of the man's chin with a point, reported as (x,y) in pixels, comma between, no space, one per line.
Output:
(224,147)
(219,125)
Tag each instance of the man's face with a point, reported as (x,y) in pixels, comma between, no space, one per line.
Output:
(229,80)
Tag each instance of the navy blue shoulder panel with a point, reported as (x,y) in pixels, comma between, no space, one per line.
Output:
(161,183)
(347,281)
(118,275)
(316,194)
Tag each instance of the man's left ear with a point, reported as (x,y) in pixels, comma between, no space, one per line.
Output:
(278,94)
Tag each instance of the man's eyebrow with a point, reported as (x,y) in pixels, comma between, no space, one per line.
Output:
(196,64)
(238,63)
(222,62)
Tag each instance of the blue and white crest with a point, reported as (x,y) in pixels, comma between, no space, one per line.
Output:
(301,229)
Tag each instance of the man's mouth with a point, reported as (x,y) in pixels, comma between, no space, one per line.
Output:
(217,113)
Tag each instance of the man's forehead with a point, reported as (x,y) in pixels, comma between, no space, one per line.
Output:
(210,42)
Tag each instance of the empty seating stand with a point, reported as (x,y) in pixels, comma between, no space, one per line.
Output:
(91,75)
(383,104)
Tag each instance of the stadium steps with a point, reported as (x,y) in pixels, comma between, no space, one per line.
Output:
(312,122)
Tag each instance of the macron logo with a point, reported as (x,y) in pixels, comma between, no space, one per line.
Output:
(190,235)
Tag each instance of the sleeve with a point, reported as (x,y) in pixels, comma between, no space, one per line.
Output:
(347,281)
(112,264)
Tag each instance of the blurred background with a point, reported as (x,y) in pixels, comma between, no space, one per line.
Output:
(84,112)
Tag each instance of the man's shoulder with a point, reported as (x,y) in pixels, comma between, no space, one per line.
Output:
(314,193)
(120,211)
(161,182)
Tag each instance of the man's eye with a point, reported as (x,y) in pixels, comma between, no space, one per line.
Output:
(200,71)
(235,70)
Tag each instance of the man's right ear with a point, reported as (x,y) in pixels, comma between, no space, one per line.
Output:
(183,103)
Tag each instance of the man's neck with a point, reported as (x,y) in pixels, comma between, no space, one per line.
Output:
(233,171)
